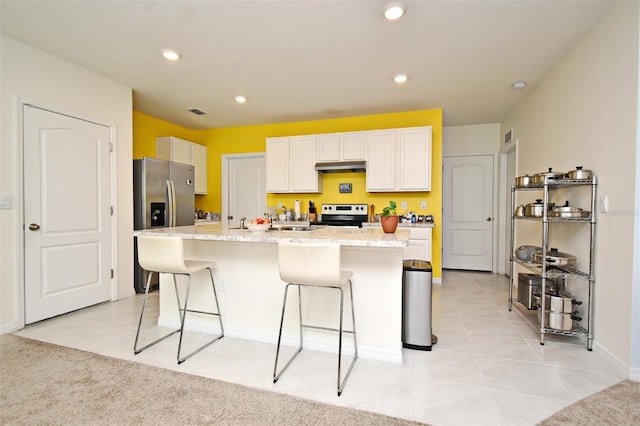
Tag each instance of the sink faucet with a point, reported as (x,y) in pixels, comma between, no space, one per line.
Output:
(242,219)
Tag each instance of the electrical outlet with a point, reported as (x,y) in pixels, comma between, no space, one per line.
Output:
(280,205)
(403,205)
(423,205)
(223,286)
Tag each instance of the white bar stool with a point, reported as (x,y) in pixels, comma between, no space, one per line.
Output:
(315,265)
(164,254)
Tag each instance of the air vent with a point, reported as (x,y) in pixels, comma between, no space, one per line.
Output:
(196,111)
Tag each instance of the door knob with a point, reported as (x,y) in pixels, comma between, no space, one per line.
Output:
(34,227)
(230,217)
(489,219)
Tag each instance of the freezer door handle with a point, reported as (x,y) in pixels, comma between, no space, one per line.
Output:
(171,197)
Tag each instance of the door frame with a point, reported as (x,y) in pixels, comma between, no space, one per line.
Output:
(20,103)
(494,231)
(226,159)
(504,207)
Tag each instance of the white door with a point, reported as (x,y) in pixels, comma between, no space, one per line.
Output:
(67,214)
(244,182)
(468,212)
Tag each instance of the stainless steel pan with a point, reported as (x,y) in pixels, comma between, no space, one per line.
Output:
(579,174)
(555,257)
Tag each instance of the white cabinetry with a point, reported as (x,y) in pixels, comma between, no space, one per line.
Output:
(419,247)
(346,146)
(290,164)
(399,160)
(185,152)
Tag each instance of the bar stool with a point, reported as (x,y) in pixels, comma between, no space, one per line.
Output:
(163,254)
(315,265)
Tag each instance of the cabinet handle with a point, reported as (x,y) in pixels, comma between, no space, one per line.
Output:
(489,219)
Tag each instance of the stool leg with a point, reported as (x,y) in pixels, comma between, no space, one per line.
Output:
(137,350)
(355,343)
(184,316)
(277,375)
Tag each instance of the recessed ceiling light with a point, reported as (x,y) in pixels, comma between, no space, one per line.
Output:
(170,55)
(519,85)
(400,78)
(241,99)
(393,11)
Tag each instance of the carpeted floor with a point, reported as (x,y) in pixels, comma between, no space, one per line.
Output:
(618,405)
(43,384)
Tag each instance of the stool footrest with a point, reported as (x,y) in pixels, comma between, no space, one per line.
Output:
(317,327)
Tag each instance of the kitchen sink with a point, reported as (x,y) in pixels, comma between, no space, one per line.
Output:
(292,228)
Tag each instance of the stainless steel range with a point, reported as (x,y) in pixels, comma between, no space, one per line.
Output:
(342,215)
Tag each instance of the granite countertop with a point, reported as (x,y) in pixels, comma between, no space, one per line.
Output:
(355,237)
(401,225)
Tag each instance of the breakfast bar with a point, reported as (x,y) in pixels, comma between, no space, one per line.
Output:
(250,291)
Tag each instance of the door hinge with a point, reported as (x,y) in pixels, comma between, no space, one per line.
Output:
(111,210)
(110,147)
(112,274)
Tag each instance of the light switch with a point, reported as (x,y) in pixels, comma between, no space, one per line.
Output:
(403,205)
(604,204)
(6,201)
(423,205)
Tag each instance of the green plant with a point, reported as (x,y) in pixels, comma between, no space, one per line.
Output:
(390,210)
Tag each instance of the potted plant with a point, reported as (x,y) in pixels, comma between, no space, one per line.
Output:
(389,218)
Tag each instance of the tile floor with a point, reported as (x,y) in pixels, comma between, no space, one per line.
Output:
(488,367)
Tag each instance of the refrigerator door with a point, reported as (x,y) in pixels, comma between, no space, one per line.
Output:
(149,193)
(182,176)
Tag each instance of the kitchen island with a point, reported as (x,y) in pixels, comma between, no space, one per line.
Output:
(250,291)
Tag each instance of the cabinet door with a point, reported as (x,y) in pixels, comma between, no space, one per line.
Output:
(414,165)
(181,151)
(418,250)
(302,161)
(328,147)
(381,161)
(277,165)
(354,146)
(199,160)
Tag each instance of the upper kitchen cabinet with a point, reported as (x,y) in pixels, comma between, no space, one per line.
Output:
(399,160)
(290,164)
(342,146)
(185,152)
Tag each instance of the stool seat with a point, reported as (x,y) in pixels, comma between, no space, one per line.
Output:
(165,254)
(315,265)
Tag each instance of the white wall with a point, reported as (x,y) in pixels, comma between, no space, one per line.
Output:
(585,112)
(479,138)
(31,75)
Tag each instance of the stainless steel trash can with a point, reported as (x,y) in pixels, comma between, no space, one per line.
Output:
(416,305)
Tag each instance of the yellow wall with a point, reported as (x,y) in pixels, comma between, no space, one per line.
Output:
(231,140)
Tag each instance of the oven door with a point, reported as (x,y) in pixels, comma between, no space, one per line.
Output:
(341,223)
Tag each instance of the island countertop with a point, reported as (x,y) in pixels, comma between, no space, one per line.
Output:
(348,237)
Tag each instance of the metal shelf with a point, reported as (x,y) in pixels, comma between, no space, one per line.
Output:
(531,315)
(547,271)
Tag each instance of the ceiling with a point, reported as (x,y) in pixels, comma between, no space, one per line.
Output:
(309,59)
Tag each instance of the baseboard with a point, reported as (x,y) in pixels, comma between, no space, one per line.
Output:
(10,328)
(634,374)
(310,342)
(621,368)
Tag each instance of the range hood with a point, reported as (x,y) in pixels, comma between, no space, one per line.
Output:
(341,166)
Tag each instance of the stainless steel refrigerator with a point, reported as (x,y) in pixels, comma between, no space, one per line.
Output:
(163,196)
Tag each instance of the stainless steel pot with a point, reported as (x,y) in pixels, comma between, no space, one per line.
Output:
(524,181)
(555,257)
(539,178)
(557,320)
(579,174)
(534,209)
(520,210)
(566,211)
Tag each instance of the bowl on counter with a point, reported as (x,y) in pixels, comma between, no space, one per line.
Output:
(262,227)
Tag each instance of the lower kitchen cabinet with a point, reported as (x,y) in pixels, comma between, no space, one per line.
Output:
(420,243)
